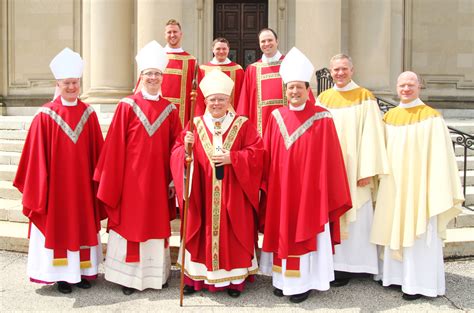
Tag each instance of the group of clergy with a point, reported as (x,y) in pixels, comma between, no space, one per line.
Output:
(264,156)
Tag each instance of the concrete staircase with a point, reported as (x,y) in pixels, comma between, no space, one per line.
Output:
(14,226)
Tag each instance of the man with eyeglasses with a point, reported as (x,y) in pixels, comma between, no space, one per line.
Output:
(225,177)
(220,49)
(134,178)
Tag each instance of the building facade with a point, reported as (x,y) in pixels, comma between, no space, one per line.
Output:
(434,38)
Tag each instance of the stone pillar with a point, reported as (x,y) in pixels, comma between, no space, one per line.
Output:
(3,58)
(318,30)
(369,42)
(108,36)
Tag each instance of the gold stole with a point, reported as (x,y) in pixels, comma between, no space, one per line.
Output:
(216,184)
(259,66)
(183,72)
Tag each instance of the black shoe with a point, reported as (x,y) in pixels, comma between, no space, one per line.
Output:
(278,292)
(408,297)
(127,290)
(83,284)
(64,287)
(339,282)
(165,285)
(299,297)
(188,290)
(234,293)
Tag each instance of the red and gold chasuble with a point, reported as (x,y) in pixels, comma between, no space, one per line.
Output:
(177,82)
(262,92)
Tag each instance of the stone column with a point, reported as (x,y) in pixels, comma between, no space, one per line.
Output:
(151,19)
(318,30)
(369,42)
(3,58)
(109,34)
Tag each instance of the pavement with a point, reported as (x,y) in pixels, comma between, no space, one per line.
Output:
(17,293)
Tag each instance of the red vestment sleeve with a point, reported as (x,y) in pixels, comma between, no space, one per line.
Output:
(32,175)
(333,179)
(200,106)
(97,144)
(248,164)
(111,180)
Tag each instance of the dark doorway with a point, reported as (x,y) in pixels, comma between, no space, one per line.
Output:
(239,22)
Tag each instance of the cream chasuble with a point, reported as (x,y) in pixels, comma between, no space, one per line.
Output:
(425,181)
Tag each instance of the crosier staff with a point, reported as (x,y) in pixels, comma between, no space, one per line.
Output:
(189,159)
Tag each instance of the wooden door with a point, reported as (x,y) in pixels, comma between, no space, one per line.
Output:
(239,22)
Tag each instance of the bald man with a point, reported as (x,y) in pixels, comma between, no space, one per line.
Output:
(416,202)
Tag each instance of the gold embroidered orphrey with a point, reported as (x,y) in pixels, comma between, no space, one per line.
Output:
(270,102)
(72,134)
(183,72)
(216,184)
(290,140)
(150,128)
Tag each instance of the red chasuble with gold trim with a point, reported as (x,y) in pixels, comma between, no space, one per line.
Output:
(133,171)
(262,92)
(177,82)
(233,70)
(305,183)
(221,227)
(55,176)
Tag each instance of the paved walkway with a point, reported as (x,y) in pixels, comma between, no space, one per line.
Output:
(361,295)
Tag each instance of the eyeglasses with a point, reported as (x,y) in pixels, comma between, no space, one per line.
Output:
(152,74)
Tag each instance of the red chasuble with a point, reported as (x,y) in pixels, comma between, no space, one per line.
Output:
(177,82)
(55,175)
(133,170)
(262,92)
(305,183)
(233,70)
(221,226)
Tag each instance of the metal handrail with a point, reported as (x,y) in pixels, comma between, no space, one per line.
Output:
(458,137)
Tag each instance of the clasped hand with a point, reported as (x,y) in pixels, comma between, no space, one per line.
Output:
(220,159)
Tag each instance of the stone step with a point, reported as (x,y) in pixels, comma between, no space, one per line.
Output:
(469,177)
(469,162)
(16,134)
(7,191)
(459,242)
(459,151)
(469,196)
(9,158)
(465,219)
(464,125)
(11,210)
(13,237)
(11,145)
(8,172)
(15,122)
